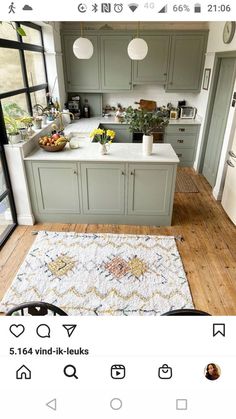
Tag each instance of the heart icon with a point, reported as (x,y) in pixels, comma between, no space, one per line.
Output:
(17,329)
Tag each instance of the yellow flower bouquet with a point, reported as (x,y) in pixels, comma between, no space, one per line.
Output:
(102,136)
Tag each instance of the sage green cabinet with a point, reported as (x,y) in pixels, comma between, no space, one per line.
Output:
(56,187)
(103,188)
(123,134)
(187,57)
(115,63)
(149,189)
(154,67)
(184,140)
(81,75)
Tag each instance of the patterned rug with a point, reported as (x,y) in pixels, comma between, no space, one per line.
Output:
(102,274)
(184,183)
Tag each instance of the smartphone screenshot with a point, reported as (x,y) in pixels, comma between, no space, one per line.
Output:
(117,209)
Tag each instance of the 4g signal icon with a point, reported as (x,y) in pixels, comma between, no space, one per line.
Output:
(133,6)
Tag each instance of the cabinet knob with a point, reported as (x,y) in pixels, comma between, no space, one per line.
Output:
(182,129)
(132,173)
(75,172)
(179,154)
(123,173)
(164,74)
(180,141)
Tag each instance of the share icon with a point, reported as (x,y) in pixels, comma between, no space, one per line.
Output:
(70,328)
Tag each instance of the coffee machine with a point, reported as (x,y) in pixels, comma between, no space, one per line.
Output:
(74,107)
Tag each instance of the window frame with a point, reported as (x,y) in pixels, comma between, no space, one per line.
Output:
(22,46)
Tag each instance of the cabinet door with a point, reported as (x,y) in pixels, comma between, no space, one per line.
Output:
(115,63)
(153,69)
(150,189)
(103,187)
(186,63)
(81,75)
(57,187)
(123,134)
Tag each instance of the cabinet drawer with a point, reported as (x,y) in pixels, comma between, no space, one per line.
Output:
(181,140)
(186,155)
(184,129)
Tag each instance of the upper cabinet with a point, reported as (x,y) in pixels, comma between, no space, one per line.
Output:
(174,60)
(81,75)
(115,63)
(186,62)
(153,69)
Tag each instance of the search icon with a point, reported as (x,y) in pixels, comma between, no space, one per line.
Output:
(70,371)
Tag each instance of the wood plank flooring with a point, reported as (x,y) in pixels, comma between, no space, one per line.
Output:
(208,250)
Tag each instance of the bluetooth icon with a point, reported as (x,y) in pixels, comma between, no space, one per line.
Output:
(94,8)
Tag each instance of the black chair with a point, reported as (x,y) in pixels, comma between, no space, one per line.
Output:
(186,312)
(35,308)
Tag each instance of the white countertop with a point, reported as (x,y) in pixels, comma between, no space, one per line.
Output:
(86,125)
(118,152)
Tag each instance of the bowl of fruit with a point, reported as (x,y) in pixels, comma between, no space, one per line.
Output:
(54,142)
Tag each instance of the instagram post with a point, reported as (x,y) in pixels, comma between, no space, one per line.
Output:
(117,209)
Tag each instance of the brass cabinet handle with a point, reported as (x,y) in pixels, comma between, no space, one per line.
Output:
(180,141)
(229,163)
(182,129)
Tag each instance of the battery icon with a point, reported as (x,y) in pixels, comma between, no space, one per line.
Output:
(197,8)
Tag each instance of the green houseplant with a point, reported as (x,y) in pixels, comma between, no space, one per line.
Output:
(13,115)
(140,120)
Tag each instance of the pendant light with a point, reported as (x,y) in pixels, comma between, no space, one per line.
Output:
(83,47)
(137,48)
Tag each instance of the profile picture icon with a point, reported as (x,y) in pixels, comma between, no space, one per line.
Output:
(212,371)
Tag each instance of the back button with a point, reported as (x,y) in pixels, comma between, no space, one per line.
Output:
(52,404)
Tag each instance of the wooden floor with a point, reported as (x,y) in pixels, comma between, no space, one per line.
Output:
(208,250)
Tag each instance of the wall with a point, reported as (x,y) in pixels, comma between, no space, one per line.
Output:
(53,53)
(149,92)
(215,44)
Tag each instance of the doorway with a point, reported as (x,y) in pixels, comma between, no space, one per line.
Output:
(225,74)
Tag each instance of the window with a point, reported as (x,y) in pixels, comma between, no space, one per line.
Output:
(23,83)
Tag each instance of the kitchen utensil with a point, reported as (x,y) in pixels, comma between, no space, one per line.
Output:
(147,105)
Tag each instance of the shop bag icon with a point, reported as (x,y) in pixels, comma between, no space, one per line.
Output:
(165,372)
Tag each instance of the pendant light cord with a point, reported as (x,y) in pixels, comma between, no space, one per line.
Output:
(81,29)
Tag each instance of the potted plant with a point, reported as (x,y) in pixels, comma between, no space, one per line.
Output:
(103,137)
(140,120)
(12,126)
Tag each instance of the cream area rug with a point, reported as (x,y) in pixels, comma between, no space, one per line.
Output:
(102,274)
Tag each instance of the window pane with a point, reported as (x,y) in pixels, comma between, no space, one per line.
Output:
(33,36)
(7,31)
(39,98)
(10,70)
(35,68)
(19,100)
(6,218)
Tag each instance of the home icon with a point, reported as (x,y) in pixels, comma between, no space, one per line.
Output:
(23,373)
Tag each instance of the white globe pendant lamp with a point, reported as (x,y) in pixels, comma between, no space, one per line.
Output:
(83,47)
(137,48)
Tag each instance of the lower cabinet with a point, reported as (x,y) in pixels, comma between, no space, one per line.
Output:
(123,134)
(96,192)
(56,187)
(103,188)
(184,139)
(149,189)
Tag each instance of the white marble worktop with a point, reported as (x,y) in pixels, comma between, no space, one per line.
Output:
(86,125)
(118,152)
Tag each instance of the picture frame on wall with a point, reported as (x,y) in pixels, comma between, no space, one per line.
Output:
(206,78)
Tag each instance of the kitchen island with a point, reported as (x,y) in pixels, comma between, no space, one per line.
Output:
(83,186)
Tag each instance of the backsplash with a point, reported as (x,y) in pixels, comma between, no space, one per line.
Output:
(149,92)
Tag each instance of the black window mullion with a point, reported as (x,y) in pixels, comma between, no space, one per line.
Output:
(25,76)
(44,60)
